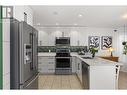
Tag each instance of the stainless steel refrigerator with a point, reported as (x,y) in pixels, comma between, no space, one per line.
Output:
(23,56)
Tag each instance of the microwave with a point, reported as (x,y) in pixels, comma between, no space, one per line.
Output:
(62,41)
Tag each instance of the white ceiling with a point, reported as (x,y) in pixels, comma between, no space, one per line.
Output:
(92,16)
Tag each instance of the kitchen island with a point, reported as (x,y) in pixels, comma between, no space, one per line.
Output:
(96,73)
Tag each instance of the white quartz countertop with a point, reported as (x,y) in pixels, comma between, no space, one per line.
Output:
(46,54)
(91,62)
(97,61)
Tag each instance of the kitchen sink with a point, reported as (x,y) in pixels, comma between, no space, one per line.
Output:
(87,57)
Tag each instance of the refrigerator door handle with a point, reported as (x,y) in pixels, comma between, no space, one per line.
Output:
(31,42)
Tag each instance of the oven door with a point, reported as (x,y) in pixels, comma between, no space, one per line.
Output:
(62,62)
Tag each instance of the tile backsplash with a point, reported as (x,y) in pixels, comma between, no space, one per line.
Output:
(53,48)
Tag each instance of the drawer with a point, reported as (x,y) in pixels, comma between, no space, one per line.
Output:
(46,63)
(50,58)
(51,63)
(42,66)
(43,63)
(45,59)
(51,66)
(43,70)
(51,70)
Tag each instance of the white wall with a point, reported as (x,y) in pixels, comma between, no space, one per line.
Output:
(6,54)
(122,36)
(19,13)
(79,36)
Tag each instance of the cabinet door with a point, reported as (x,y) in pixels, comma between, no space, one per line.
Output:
(51,65)
(77,65)
(73,64)
(46,64)
(43,38)
(79,69)
(42,69)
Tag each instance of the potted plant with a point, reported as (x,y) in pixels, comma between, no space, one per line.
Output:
(125,47)
(93,51)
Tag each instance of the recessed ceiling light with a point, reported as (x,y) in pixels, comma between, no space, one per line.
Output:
(57,23)
(75,24)
(38,24)
(124,16)
(55,13)
(80,15)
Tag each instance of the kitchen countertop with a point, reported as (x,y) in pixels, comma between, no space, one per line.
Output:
(97,61)
(47,54)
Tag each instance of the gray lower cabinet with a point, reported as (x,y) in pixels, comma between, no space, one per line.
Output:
(46,64)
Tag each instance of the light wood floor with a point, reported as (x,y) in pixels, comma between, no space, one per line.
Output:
(59,82)
(71,81)
(123,80)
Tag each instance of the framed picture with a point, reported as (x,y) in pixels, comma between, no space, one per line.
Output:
(106,42)
(94,42)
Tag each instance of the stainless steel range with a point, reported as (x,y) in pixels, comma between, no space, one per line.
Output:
(63,57)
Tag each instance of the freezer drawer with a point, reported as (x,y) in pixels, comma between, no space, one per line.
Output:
(33,84)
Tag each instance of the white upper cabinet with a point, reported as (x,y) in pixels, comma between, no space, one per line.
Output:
(20,11)
(78,35)
(47,36)
(43,38)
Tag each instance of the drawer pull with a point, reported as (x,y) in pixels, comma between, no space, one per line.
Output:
(51,62)
(50,69)
(51,57)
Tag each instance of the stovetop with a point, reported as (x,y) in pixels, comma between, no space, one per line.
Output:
(63,55)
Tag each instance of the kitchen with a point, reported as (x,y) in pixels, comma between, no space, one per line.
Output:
(66,38)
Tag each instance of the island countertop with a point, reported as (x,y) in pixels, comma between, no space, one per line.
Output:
(97,61)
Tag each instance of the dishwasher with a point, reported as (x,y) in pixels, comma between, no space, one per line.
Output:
(85,75)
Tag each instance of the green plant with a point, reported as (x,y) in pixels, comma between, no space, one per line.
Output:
(93,51)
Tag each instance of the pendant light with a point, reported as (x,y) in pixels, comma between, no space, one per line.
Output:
(124,42)
(124,32)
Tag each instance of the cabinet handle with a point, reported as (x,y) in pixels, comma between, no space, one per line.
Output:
(50,69)
(50,62)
